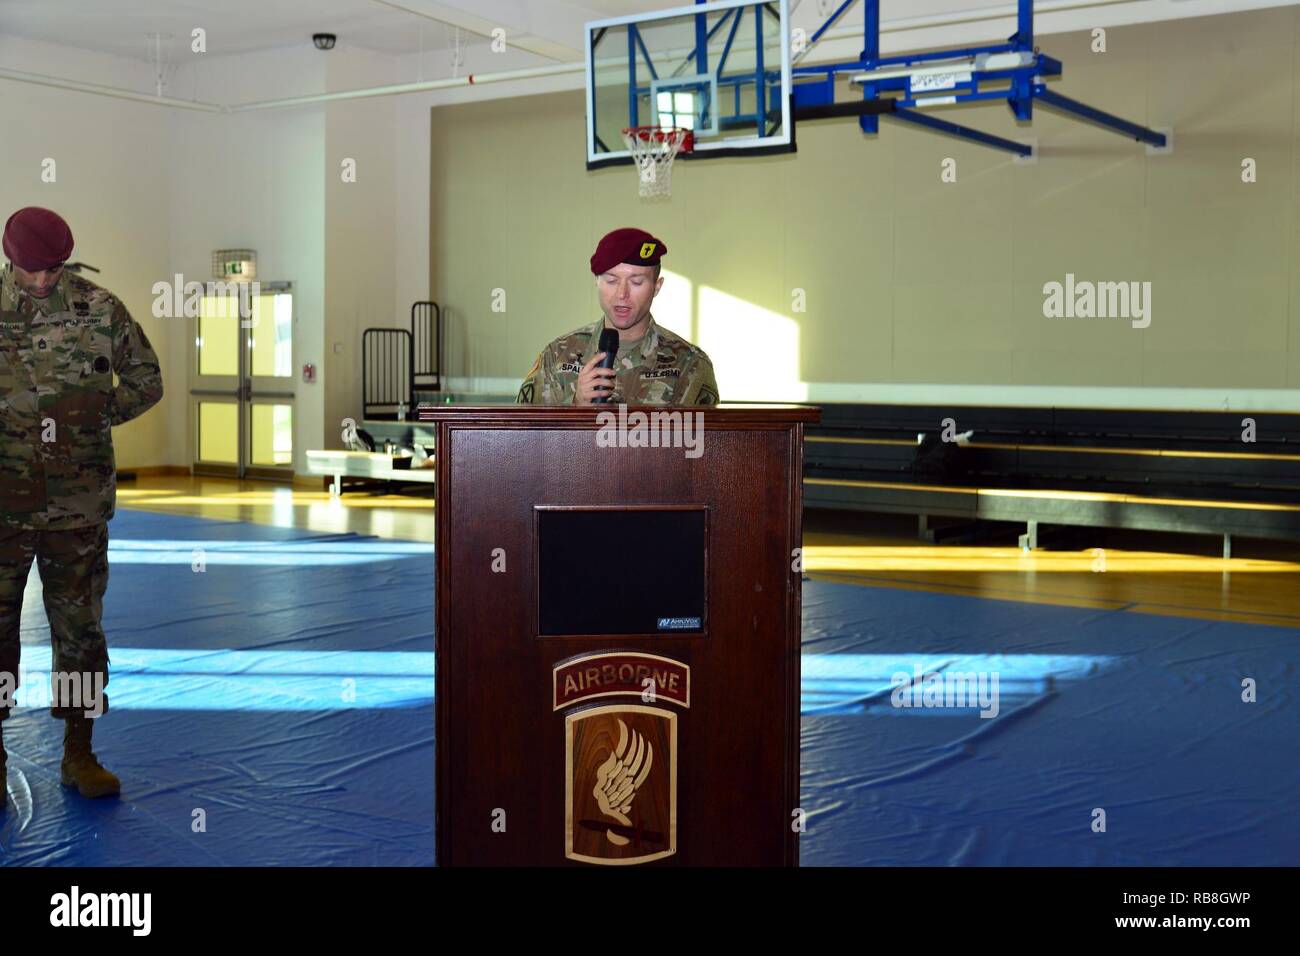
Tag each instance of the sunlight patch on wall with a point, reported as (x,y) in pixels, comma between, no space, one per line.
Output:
(755,351)
(673,307)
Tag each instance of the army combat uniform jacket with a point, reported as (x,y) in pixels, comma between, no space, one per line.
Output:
(58,401)
(660,369)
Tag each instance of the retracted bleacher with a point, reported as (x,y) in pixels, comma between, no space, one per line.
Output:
(1179,471)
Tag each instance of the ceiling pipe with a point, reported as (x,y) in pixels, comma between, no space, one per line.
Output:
(472,79)
(99,89)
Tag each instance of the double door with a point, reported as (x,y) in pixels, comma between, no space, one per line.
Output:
(241,395)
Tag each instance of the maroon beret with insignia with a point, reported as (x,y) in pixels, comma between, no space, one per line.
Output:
(36,239)
(633,246)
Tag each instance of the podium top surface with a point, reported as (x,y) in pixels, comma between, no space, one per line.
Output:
(720,416)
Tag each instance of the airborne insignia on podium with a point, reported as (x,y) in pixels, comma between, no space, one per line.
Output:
(620,759)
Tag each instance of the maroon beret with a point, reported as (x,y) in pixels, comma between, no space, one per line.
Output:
(634,246)
(36,239)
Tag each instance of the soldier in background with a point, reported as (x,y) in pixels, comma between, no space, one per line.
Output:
(61,340)
(653,366)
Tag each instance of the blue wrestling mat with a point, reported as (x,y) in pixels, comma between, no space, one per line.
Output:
(1140,716)
(276,708)
(283,697)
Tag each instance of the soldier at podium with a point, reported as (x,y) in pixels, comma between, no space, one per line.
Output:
(652,367)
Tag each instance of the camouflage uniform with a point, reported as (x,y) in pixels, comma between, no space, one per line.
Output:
(660,369)
(57,471)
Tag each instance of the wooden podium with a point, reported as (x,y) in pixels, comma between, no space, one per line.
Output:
(618,624)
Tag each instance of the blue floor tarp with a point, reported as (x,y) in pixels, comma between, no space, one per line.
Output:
(272,703)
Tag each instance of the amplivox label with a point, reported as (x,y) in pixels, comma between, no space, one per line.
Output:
(679,623)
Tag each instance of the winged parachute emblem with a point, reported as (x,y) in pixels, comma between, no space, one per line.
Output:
(619,778)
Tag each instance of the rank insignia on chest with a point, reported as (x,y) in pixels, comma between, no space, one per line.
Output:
(101,364)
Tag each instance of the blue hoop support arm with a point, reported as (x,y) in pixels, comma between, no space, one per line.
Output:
(963,132)
(1113,123)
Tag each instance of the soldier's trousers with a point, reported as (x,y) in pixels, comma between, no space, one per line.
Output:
(73,566)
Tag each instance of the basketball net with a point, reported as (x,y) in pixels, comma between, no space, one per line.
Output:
(653,150)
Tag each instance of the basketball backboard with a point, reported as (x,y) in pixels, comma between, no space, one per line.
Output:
(721,70)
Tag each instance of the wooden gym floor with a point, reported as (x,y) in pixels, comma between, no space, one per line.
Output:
(1181,575)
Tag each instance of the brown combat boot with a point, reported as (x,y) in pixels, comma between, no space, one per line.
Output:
(80,769)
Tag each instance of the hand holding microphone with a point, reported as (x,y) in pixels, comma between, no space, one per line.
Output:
(596,380)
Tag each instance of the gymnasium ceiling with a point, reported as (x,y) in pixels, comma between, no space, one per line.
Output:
(550,28)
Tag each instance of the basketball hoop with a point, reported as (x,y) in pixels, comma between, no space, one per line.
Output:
(653,150)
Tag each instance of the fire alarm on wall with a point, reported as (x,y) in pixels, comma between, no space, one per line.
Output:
(309,372)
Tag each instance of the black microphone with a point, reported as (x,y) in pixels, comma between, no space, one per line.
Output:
(608,345)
